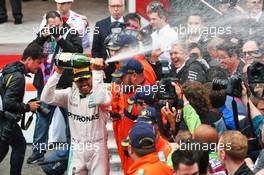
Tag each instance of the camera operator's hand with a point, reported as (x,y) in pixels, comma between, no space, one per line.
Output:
(155,55)
(34,105)
(98,64)
(244,97)
(178,89)
(170,115)
(180,94)
(58,69)
(45,32)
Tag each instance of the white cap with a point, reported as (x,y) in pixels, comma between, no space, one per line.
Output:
(63,1)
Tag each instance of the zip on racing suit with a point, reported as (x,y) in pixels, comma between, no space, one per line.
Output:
(87,120)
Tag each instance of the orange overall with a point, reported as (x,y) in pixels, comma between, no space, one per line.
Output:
(148,165)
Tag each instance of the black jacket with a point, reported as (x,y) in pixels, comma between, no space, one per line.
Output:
(192,70)
(215,120)
(98,48)
(14,92)
(73,44)
(243,170)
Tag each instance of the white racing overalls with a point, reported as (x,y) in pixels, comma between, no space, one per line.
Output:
(87,120)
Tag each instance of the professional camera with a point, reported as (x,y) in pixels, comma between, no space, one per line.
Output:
(42,109)
(7,123)
(117,27)
(233,86)
(145,34)
(166,92)
(55,31)
(255,73)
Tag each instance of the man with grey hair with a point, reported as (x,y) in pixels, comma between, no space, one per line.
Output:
(212,50)
(185,67)
(250,51)
(103,29)
(164,35)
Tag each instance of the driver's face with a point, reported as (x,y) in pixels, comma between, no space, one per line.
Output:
(84,85)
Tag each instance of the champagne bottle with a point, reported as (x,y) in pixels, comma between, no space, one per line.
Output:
(72,60)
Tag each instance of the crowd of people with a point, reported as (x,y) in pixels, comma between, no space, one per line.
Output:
(190,105)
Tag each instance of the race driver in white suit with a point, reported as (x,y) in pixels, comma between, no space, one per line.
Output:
(88,103)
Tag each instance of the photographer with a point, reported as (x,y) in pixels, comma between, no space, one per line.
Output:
(258,124)
(13,90)
(198,97)
(189,115)
(217,101)
(56,37)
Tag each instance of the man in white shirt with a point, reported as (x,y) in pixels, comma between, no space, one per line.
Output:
(73,19)
(164,35)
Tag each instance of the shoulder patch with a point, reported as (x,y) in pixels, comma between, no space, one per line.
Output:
(161,156)
(141,172)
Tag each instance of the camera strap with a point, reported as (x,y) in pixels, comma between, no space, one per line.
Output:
(23,126)
(235,113)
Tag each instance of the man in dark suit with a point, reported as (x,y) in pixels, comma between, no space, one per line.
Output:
(116,9)
(256,19)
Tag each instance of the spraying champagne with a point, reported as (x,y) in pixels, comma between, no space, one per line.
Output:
(72,60)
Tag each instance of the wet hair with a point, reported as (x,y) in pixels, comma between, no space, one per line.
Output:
(52,14)
(34,51)
(157,7)
(195,45)
(183,46)
(186,157)
(230,48)
(214,43)
(217,98)
(197,95)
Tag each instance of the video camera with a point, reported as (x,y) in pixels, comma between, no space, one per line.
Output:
(166,92)
(42,109)
(233,86)
(255,73)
